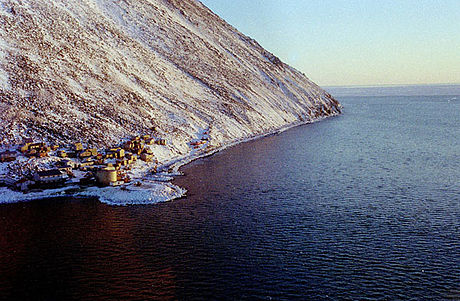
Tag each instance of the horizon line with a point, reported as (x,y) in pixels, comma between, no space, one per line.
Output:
(388,85)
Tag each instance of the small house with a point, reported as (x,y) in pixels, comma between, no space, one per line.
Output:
(25,147)
(49,176)
(87,162)
(37,146)
(148,151)
(120,153)
(146,157)
(65,168)
(99,161)
(84,154)
(32,153)
(197,143)
(62,154)
(115,153)
(42,154)
(26,143)
(109,155)
(38,150)
(160,141)
(93,151)
(123,162)
(78,146)
(131,157)
(34,146)
(128,145)
(138,150)
(69,162)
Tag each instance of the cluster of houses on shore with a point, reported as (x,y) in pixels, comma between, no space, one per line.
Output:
(101,167)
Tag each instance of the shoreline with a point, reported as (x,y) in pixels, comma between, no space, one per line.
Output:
(158,188)
(179,162)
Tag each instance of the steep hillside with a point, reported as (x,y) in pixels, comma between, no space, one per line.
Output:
(100,70)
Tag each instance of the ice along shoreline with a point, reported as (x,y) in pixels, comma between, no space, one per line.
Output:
(155,188)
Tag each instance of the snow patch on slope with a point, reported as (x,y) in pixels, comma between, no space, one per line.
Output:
(4,79)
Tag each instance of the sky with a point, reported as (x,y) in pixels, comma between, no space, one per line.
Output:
(351,42)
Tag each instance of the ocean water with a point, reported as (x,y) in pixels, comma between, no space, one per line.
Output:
(363,206)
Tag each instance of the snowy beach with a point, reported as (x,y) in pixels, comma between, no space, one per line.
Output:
(153,188)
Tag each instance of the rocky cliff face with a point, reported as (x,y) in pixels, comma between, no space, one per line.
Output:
(100,70)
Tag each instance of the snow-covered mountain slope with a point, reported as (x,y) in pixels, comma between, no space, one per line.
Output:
(102,70)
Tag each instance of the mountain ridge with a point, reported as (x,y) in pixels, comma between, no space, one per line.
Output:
(100,71)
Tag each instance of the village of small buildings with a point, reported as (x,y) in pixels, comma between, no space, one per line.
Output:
(76,164)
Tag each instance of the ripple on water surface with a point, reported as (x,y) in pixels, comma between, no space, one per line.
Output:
(362,206)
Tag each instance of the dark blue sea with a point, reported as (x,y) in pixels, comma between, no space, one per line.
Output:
(363,206)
